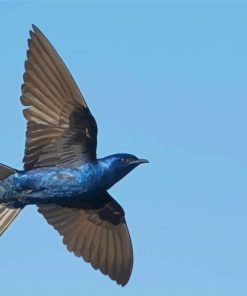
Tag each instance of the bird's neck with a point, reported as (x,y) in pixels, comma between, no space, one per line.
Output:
(110,173)
(96,176)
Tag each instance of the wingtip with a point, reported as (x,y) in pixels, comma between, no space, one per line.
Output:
(35,28)
(35,31)
(122,282)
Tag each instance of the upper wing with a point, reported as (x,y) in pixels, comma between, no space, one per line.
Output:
(60,128)
(95,230)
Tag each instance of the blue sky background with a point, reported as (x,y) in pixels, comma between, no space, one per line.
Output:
(166,81)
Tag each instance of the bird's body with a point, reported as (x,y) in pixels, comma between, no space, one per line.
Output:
(61,185)
(54,184)
(62,174)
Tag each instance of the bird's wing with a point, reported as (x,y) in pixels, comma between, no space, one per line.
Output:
(60,128)
(95,230)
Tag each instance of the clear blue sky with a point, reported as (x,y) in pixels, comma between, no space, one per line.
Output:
(166,81)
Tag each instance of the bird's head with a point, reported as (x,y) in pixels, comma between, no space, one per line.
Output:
(119,165)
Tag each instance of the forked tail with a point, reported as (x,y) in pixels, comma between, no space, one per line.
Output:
(7,213)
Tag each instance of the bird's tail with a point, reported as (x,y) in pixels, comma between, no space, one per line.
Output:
(7,215)
(7,212)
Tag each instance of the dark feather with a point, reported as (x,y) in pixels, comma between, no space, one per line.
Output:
(60,129)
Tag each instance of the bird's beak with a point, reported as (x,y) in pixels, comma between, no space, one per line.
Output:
(139,161)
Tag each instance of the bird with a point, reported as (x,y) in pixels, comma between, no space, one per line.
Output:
(62,175)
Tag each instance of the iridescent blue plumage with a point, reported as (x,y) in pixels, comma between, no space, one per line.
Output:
(70,183)
(62,174)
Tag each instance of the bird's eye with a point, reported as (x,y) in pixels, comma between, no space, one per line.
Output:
(125,160)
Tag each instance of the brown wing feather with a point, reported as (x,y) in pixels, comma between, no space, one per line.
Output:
(60,129)
(97,231)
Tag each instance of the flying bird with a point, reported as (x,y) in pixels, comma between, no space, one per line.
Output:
(62,174)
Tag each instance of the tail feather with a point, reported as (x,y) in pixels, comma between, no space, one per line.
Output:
(7,212)
(7,215)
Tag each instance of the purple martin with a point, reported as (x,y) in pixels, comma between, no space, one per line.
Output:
(62,174)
